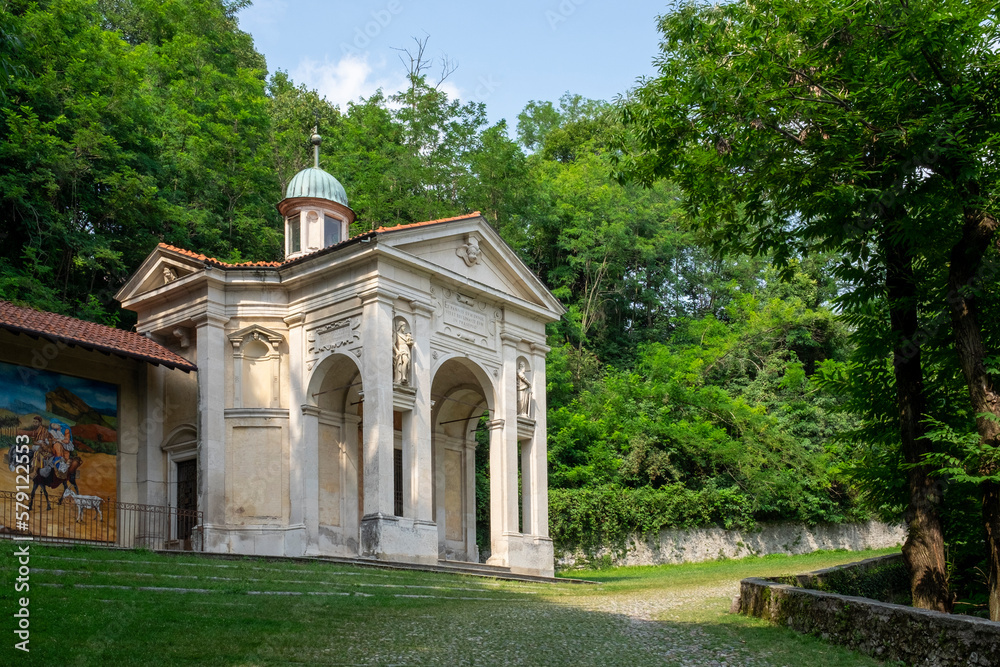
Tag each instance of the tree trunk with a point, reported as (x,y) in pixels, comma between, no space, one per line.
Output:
(991,516)
(964,274)
(923,550)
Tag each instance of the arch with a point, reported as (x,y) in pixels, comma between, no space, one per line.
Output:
(461,391)
(323,390)
(181,437)
(480,373)
(332,427)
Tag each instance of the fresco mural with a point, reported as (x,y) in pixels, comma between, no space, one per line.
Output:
(70,425)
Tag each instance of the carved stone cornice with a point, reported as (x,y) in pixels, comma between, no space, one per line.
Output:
(378,294)
(209,319)
(539,348)
(422,308)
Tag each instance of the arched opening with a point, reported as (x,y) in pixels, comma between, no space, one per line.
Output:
(336,392)
(463,397)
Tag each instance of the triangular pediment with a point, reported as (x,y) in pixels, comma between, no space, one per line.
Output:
(161,268)
(472,250)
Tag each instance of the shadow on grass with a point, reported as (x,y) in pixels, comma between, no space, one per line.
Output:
(369,618)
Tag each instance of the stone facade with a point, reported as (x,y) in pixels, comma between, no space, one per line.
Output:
(338,393)
(694,545)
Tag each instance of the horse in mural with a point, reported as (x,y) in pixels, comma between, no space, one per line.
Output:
(50,480)
(53,481)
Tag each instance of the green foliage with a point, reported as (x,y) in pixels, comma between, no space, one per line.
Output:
(721,420)
(607,515)
(126,124)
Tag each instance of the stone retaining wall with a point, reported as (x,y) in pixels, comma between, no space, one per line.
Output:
(701,544)
(888,632)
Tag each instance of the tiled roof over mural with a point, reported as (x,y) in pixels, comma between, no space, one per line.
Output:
(88,335)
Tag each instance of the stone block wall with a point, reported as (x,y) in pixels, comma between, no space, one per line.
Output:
(887,632)
(703,544)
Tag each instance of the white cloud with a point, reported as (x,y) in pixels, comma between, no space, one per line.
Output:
(353,77)
(346,80)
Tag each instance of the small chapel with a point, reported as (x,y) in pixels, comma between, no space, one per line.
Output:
(339,393)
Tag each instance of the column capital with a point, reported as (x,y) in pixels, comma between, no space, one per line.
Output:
(422,308)
(510,339)
(310,410)
(495,424)
(295,319)
(209,319)
(539,348)
(377,294)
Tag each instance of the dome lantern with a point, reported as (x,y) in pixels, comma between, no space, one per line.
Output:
(315,208)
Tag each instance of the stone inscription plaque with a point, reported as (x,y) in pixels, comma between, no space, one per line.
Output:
(333,336)
(465,318)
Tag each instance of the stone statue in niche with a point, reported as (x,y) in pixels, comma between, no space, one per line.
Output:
(169,275)
(469,251)
(401,357)
(523,390)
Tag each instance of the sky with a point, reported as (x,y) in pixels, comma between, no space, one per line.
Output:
(508,53)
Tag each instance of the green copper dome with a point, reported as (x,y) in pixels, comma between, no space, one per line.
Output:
(314,182)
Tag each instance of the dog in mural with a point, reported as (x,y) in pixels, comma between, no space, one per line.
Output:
(84,503)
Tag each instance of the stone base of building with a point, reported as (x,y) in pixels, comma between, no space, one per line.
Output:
(255,540)
(395,538)
(523,554)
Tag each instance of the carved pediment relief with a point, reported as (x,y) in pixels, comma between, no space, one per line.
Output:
(163,273)
(255,332)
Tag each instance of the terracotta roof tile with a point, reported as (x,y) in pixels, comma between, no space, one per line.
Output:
(88,335)
(474,214)
(217,262)
(275,265)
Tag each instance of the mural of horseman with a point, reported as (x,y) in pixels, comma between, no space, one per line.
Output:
(54,461)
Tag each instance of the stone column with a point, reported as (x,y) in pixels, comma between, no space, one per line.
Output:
(351,509)
(538,522)
(418,433)
(152,476)
(526,450)
(503,461)
(498,540)
(302,482)
(305,472)
(469,509)
(211,360)
(376,373)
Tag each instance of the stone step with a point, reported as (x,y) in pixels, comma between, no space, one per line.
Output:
(470,565)
(442,566)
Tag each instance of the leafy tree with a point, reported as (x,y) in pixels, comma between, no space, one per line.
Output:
(863,128)
(129,123)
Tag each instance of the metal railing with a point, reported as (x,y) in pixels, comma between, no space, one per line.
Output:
(105,523)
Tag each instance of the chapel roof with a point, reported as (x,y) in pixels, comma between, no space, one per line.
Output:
(275,265)
(314,182)
(88,335)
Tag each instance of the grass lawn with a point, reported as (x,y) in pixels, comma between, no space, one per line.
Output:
(98,607)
